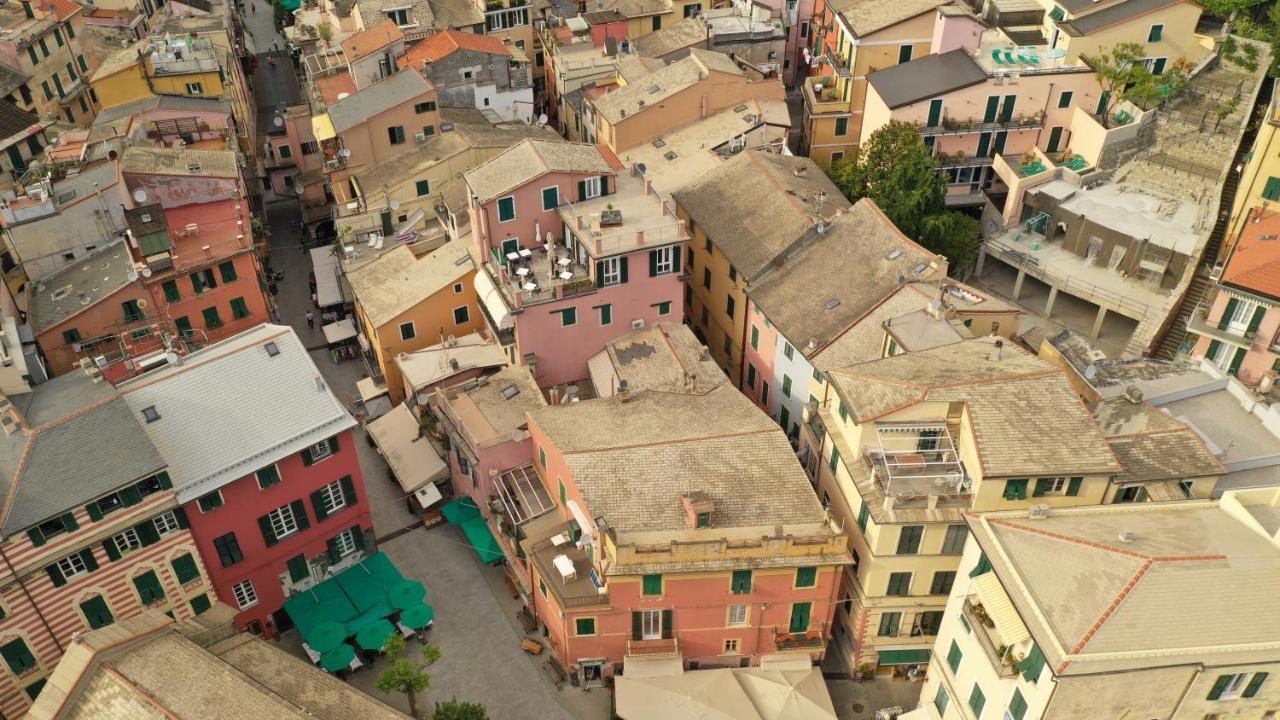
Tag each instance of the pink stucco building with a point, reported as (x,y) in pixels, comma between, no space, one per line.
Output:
(574,251)
(1238,329)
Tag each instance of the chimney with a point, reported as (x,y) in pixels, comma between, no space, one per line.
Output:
(699,508)
(1133,394)
(996,348)
(802,170)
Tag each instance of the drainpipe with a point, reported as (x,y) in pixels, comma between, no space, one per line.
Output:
(27,593)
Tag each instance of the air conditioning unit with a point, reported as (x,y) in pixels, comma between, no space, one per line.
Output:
(637,324)
(420,137)
(1038,512)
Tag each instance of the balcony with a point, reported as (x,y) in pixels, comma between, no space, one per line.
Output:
(984,630)
(950,126)
(961,160)
(1200,324)
(576,591)
(917,466)
(823,101)
(809,640)
(660,648)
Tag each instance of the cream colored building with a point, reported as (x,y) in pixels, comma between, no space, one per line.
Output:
(1083,613)
(908,444)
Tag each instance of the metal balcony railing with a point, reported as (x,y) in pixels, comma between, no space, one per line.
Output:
(996,653)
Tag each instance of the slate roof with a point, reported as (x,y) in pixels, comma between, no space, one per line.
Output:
(372,13)
(140,160)
(1026,417)
(868,16)
(378,98)
(397,281)
(649,91)
(663,356)
(162,102)
(1152,445)
(1092,20)
(73,429)
(78,286)
(683,34)
(148,225)
(455,14)
(928,77)
(854,264)
(15,120)
(755,206)
(489,415)
(1134,613)
(254,408)
(634,456)
(530,159)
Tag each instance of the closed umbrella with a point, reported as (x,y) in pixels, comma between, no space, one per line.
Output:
(326,635)
(406,593)
(418,616)
(338,658)
(375,635)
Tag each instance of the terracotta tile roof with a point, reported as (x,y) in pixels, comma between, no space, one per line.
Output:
(64,9)
(1255,260)
(442,44)
(372,39)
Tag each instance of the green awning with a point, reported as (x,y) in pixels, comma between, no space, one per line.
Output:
(482,540)
(904,657)
(461,510)
(323,603)
(382,566)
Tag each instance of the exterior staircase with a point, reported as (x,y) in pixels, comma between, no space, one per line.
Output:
(1201,285)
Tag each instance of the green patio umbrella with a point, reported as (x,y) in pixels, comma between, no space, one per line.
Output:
(338,659)
(374,636)
(418,616)
(406,593)
(326,635)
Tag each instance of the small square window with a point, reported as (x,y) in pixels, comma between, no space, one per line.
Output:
(272,349)
(150,413)
(408,331)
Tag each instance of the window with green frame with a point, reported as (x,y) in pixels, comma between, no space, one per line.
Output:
(1017,705)
(185,568)
(1015,489)
(171,292)
(149,588)
(584,626)
(806,577)
(211,317)
(96,612)
(210,501)
(842,126)
(183,324)
(977,700)
(954,656)
(564,494)
(506,209)
(864,512)
(740,583)
(132,311)
(568,317)
(1271,191)
(542,459)
(298,568)
(786,385)
(71,336)
(18,656)
(899,584)
(200,603)
(422,188)
(651,585)
(239,308)
(755,338)
(228,271)
(835,458)
(1064,100)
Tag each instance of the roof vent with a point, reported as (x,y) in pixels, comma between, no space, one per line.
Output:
(146,217)
(670,155)
(802,170)
(193,167)
(319,384)
(150,413)
(740,108)
(1038,512)
(652,89)
(510,391)
(833,303)
(1133,394)
(996,348)
(272,349)
(659,143)
(1128,537)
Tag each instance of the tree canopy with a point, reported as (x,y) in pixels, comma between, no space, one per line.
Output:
(1124,76)
(455,709)
(405,675)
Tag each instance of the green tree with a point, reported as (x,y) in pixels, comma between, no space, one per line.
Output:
(455,709)
(1227,9)
(405,675)
(326,33)
(1123,76)
(894,169)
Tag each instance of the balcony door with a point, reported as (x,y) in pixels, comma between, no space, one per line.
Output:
(650,624)
(800,617)
(1241,314)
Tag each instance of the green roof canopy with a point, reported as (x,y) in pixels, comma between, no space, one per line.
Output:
(338,659)
(904,657)
(461,510)
(156,242)
(482,540)
(356,599)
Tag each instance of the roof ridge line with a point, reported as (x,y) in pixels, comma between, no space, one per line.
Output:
(204,361)
(1115,603)
(680,441)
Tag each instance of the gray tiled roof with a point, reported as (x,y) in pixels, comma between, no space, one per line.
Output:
(14,120)
(1133,614)
(372,13)
(1153,445)
(254,409)
(647,92)
(141,160)
(758,205)
(1089,21)
(530,159)
(1026,417)
(162,102)
(690,31)
(78,286)
(377,98)
(851,263)
(927,77)
(634,456)
(869,16)
(398,281)
(82,441)
(664,356)
(455,14)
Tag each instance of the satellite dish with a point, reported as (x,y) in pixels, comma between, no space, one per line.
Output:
(542,119)
(345,152)
(279,121)
(140,195)
(1090,371)
(146,272)
(171,358)
(133,275)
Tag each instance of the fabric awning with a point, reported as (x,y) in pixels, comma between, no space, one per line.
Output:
(903,657)
(636,667)
(336,332)
(1000,609)
(493,302)
(482,540)
(461,510)
(724,694)
(412,458)
(325,265)
(369,389)
(322,127)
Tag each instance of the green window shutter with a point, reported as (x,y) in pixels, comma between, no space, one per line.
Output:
(357,534)
(1057,13)
(334,550)
(55,575)
(1256,321)
(1017,706)
(1237,360)
(1272,189)
(300,514)
(95,514)
(1219,686)
(1255,684)
(239,308)
(1033,664)
(582,190)
(200,604)
(183,324)
(171,292)
(786,385)
(740,584)
(651,585)
(185,568)
(268,476)
(584,626)
(1226,314)
(317,504)
(842,126)
(96,612)
(1064,100)
(835,457)
(1042,486)
(422,187)
(864,512)
(196,285)
(181,515)
(622,269)
(307,458)
(636,620)
(977,701)
(983,566)
(147,533)
(298,569)
(1214,347)
(90,562)
(604,185)
(653,263)
(209,501)
(37,537)
(550,198)
(211,317)
(668,624)
(268,534)
(165,482)
(954,656)
(599,273)
(806,577)
(131,496)
(109,547)
(755,338)
(18,656)
(348,489)
(1073,486)
(675,258)
(1015,489)
(1157,31)
(333,445)
(149,588)
(506,209)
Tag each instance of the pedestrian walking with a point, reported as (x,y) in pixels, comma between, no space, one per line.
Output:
(311,320)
